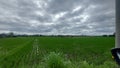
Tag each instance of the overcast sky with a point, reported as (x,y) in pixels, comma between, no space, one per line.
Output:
(66,17)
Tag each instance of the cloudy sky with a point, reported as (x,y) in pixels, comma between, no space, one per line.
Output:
(66,17)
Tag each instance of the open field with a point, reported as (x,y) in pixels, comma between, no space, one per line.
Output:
(29,52)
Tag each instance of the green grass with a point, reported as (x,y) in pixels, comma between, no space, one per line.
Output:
(54,60)
(29,52)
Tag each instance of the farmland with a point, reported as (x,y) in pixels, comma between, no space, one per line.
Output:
(30,52)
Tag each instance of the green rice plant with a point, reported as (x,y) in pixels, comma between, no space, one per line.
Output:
(77,52)
(55,60)
(85,64)
(107,64)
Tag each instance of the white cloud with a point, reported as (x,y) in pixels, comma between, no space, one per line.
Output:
(40,3)
(58,15)
(39,13)
(76,9)
(84,17)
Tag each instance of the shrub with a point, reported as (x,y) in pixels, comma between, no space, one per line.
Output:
(55,60)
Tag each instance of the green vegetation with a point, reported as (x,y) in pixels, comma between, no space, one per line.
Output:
(54,60)
(56,52)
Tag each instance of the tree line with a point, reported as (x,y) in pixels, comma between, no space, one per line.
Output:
(11,34)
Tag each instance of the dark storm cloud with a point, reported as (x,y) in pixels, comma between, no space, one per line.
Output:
(76,17)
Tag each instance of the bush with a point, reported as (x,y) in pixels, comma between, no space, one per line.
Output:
(55,60)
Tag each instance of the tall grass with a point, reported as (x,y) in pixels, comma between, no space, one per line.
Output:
(54,60)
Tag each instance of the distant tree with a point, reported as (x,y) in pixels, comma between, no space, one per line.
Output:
(113,35)
(11,34)
(105,35)
(3,35)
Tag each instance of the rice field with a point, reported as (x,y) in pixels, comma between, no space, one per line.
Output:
(76,52)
